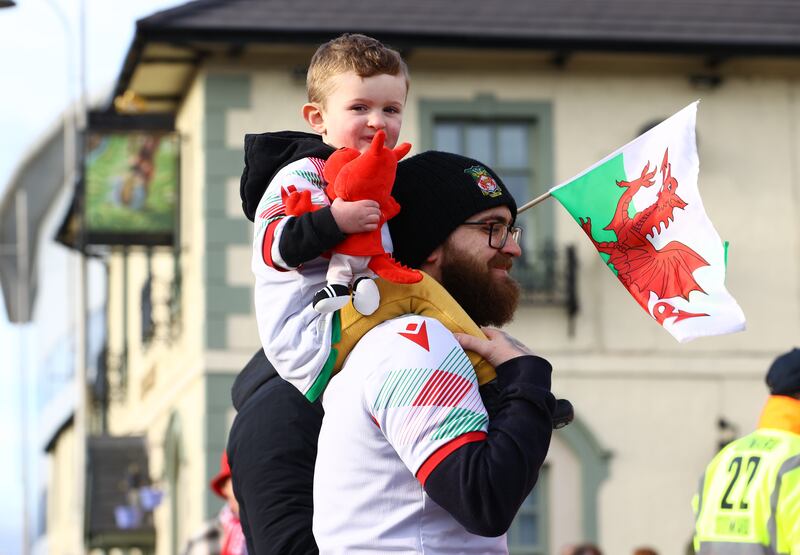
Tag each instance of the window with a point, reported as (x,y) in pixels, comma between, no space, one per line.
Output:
(514,140)
(161,297)
(146,303)
(528,532)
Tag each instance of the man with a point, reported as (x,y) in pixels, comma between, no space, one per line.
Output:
(749,499)
(413,457)
(272,444)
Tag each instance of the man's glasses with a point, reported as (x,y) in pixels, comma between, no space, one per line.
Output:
(499,232)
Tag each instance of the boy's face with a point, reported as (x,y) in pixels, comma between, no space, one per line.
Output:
(357,108)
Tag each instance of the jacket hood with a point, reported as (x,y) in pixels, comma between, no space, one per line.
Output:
(255,374)
(266,153)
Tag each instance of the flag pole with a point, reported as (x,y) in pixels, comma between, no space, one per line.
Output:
(533,202)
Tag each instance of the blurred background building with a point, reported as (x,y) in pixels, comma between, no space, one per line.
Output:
(537,90)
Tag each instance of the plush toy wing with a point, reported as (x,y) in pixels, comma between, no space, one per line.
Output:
(297,203)
(401,150)
(390,208)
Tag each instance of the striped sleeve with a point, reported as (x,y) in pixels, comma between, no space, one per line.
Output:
(302,175)
(426,399)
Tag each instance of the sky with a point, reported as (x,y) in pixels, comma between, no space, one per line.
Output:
(39,77)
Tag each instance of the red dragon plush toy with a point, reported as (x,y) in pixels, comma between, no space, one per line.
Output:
(353,176)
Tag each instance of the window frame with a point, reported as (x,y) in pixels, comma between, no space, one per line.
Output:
(538,115)
(542,490)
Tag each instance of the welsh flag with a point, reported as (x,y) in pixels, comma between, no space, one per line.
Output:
(641,208)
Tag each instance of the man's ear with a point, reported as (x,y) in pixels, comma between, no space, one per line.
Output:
(312,113)
(432,263)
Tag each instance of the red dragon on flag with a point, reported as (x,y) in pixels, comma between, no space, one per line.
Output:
(656,252)
(668,272)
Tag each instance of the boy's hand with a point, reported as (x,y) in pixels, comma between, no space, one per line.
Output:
(356,216)
(499,348)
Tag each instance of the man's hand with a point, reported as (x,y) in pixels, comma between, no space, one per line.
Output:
(356,216)
(499,348)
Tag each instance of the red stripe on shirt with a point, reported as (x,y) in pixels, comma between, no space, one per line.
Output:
(442,389)
(273,210)
(266,246)
(444,451)
(318,164)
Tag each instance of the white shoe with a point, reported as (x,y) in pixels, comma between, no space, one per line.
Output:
(366,297)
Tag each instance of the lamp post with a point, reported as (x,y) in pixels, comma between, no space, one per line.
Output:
(19,251)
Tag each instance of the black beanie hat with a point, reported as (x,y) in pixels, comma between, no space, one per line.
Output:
(783,377)
(437,192)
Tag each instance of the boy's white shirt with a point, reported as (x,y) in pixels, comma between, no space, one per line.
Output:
(295,337)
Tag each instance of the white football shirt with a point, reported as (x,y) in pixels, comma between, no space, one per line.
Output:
(406,397)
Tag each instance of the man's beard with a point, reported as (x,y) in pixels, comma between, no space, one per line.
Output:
(486,298)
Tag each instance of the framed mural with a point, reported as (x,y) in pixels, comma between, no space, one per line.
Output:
(131,181)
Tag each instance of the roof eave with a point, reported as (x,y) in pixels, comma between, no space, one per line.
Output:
(147,32)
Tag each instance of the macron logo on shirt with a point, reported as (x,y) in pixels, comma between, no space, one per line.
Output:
(417,333)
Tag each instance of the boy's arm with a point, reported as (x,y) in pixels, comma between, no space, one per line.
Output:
(287,242)
(290,241)
(313,233)
(306,237)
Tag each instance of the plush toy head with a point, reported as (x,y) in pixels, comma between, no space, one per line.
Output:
(369,175)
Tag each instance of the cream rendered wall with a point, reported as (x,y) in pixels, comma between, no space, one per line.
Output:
(564,497)
(166,375)
(276,98)
(164,379)
(192,484)
(189,123)
(181,387)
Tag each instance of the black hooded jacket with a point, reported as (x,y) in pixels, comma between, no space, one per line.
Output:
(265,154)
(272,448)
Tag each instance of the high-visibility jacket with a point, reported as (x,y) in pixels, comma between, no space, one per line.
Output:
(749,499)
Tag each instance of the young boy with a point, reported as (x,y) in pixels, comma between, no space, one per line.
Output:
(356,87)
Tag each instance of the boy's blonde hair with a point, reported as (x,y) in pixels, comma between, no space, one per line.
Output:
(350,52)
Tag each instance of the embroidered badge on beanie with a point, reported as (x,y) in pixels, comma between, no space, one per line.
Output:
(486,182)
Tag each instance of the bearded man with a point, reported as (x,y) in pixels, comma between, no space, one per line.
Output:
(414,456)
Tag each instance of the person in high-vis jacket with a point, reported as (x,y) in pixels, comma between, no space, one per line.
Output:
(749,498)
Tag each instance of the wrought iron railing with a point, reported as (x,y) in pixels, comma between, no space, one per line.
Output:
(549,276)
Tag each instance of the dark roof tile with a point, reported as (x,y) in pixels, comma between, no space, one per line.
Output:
(724,23)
